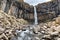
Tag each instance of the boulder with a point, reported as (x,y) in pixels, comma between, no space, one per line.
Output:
(58,20)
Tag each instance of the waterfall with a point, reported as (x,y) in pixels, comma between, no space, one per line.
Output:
(35,16)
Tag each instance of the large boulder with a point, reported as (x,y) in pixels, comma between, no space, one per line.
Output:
(58,20)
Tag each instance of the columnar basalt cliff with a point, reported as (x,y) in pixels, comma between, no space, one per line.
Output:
(48,10)
(20,9)
(17,8)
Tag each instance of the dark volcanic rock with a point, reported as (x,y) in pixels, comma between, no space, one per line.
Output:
(47,10)
(17,8)
(20,9)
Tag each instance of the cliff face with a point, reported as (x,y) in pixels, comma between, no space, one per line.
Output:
(20,9)
(59,4)
(17,8)
(48,10)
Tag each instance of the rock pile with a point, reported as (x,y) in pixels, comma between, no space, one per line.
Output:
(8,24)
(44,31)
(49,30)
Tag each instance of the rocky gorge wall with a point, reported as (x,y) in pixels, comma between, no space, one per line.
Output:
(20,9)
(48,10)
(17,8)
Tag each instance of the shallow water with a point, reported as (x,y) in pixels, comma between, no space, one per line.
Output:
(22,35)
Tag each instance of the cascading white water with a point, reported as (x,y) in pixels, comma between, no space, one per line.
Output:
(27,35)
(35,16)
(34,3)
(24,35)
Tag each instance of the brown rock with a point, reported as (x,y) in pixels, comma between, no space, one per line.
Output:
(57,28)
(58,39)
(58,20)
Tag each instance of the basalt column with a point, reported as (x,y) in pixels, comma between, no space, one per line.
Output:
(14,10)
(3,4)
